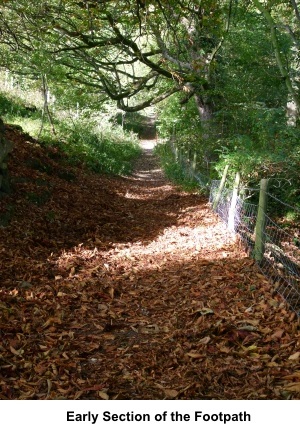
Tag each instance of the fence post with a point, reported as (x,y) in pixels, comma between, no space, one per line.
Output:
(235,191)
(259,247)
(176,151)
(180,151)
(222,183)
(194,163)
(174,130)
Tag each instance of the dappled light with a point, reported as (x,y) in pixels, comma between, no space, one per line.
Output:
(132,133)
(118,288)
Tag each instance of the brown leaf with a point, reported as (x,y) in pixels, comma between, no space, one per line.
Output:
(194,355)
(204,311)
(72,272)
(15,352)
(293,387)
(125,318)
(295,375)
(95,387)
(278,334)
(172,394)
(205,340)
(224,349)
(103,395)
(294,356)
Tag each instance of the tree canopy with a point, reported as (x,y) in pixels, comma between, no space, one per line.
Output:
(230,69)
(136,53)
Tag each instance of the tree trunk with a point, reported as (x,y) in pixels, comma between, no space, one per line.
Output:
(5,148)
(205,112)
(46,110)
(281,63)
(205,115)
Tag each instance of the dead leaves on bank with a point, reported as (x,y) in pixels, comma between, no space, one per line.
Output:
(123,288)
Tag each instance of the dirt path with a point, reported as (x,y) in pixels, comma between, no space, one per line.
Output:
(132,289)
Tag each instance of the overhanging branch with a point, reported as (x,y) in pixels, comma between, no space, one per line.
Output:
(150,102)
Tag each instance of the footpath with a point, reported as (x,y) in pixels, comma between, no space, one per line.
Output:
(129,288)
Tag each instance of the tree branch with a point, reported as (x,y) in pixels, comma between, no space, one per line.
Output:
(150,102)
(295,6)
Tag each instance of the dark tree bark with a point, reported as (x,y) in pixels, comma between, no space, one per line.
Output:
(5,148)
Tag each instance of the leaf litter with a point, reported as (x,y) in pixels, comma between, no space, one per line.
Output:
(129,288)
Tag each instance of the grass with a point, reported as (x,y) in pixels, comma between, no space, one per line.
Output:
(103,150)
(292,216)
(94,142)
(173,170)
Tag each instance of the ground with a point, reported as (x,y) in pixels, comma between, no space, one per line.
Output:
(129,288)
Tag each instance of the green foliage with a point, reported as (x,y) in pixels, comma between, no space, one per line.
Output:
(135,56)
(248,98)
(181,123)
(178,119)
(293,217)
(12,108)
(105,150)
(173,169)
(270,149)
(93,142)
(130,121)
(247,72)
(237,59)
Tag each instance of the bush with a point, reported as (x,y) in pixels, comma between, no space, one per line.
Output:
(173,170)
(91,140)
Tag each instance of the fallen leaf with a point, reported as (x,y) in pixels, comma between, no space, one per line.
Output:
(204,311)
(293,387)
(103,395)
(295,375)
(14,351)
(125,318)
(205,340)
(294,356)
(278,334)
(172,394)
(72,272)
(194,355)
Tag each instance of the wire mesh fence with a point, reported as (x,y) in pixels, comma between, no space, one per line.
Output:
(280,245)
(281,255)
(281,262)
(198,171)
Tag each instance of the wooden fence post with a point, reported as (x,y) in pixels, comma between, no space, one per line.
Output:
(180,151)
(176,151)
(235,191)
(259,247)
(194,163)
(222,184)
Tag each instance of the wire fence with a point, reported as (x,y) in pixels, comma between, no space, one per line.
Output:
(280,245)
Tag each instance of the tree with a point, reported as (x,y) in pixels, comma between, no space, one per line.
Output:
(5,148)
(136,53)
(283,16)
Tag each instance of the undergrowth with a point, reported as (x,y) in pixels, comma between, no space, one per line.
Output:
(91,140)
(173,170)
